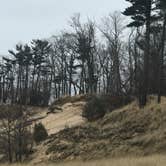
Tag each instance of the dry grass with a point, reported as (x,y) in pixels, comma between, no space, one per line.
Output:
(126,131)
(55,122)
(157,160)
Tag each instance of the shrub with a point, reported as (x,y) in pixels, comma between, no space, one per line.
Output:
(94,109)
(40,133)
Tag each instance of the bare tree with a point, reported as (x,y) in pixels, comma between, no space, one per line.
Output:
(112,29)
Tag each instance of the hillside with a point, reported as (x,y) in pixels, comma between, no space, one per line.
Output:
(123,132)
(66,112)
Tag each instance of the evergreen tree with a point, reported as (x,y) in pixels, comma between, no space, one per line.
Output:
(141,13)
(162,6)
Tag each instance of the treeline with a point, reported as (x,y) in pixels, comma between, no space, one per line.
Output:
(73,62)
(105,57)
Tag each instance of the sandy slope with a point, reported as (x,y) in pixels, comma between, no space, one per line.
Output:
(69,116)
(127,131)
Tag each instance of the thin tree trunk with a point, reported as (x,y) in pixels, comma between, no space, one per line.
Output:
(146,56)
(161,59)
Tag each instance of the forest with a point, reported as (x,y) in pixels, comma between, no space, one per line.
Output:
(122,55)
(118,56)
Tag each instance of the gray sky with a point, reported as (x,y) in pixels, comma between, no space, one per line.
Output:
(23,20)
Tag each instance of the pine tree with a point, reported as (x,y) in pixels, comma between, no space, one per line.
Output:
(162,6)
(141,13)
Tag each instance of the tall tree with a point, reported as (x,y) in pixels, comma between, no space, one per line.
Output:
(85,42)
(141,14)
(40,50)
(162,7)
(112,30)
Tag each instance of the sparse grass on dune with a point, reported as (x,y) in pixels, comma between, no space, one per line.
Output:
(156,160)
(127,131)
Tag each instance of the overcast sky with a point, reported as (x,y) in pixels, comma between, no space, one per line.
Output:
(23,20)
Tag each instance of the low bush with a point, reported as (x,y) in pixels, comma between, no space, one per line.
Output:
(40,133)
(94,109)
(97,106)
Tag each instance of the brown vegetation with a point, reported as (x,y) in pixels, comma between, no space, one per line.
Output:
(126,131)
(155,160)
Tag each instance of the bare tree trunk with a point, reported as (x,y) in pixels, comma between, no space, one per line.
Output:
(161,60)
(145,87)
